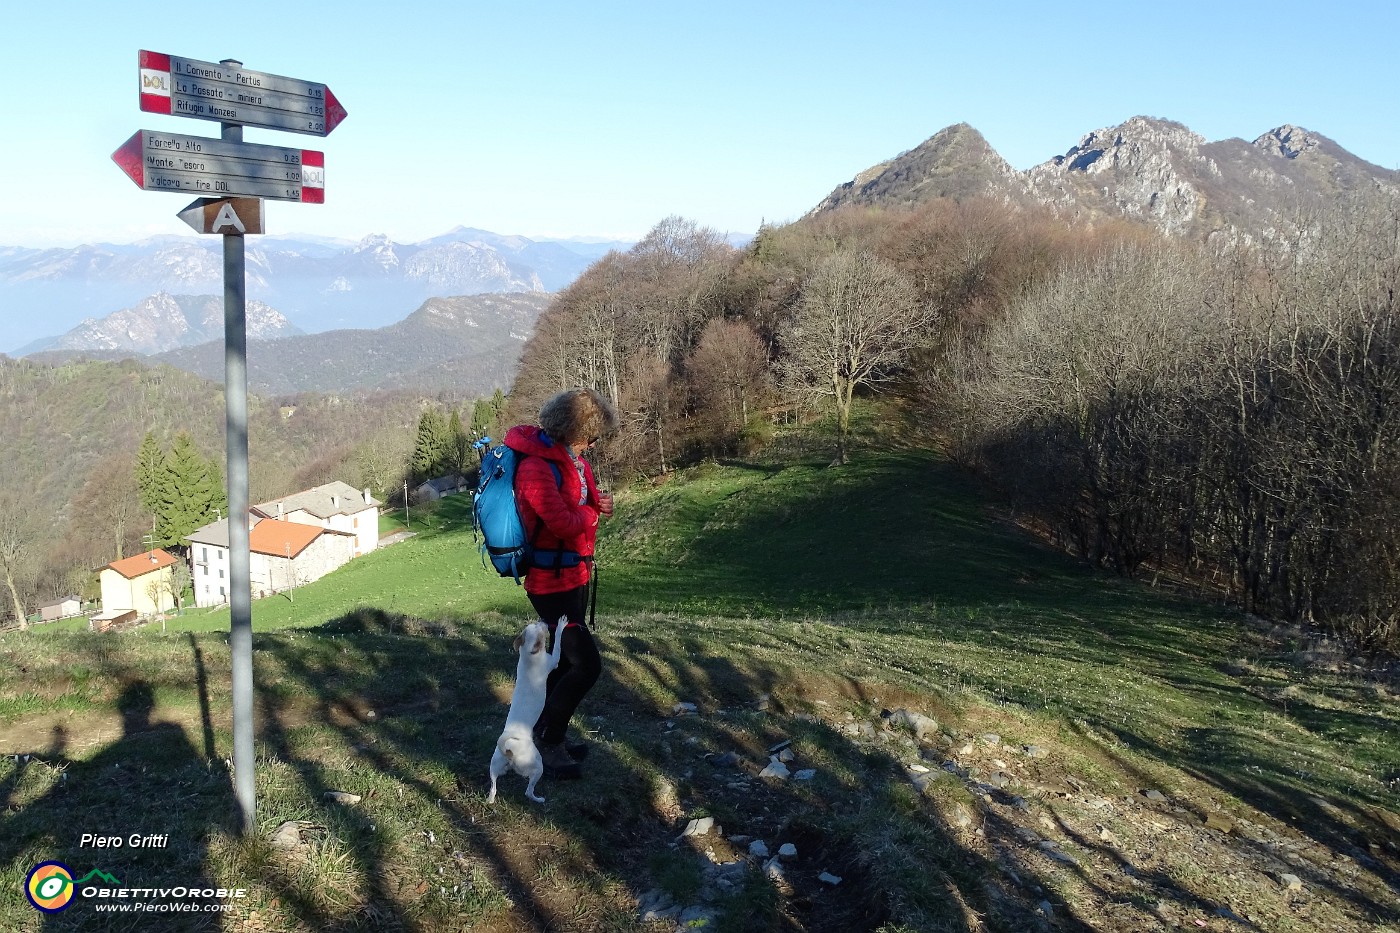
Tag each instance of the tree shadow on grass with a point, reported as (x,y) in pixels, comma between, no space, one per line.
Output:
(394,708)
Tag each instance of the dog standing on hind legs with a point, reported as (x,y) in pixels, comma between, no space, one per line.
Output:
(515,749)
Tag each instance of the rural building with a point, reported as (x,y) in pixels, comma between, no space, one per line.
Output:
(434,489)
(63,609)
(105,620)
(335,507)
(144,583)
(282,555)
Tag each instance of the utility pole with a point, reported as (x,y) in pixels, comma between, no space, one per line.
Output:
(406,522)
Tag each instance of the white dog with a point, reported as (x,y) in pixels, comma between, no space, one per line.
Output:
(515,749)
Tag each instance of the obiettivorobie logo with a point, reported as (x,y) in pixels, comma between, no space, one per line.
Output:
(50,885)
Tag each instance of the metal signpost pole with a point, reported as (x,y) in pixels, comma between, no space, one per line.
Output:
(239,176)
(240,582)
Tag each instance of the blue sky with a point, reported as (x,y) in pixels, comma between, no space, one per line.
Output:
(600,119)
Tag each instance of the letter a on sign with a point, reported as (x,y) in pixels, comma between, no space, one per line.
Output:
(227,216)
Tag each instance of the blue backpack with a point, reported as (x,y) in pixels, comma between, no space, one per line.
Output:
(495,516)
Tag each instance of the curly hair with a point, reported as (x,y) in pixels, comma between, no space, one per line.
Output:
(576,415)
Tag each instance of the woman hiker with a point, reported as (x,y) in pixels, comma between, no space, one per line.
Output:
(560,506)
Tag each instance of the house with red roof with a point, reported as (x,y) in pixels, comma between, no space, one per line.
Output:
(282,556)
(144,584)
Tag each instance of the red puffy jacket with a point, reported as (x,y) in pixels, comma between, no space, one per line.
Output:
(549,508)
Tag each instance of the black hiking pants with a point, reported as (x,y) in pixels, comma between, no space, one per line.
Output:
(579,662)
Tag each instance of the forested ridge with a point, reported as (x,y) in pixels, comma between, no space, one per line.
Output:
(1224,413)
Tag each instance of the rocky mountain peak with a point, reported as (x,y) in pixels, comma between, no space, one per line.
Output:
(958,155)
(164,322)
(1145,168)
(1133,142)
(1288,141)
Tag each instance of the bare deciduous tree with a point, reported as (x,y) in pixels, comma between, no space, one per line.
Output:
(729,378)
(17,539)
(852,328)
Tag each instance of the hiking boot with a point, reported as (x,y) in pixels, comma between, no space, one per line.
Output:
(577,750)
(559,765)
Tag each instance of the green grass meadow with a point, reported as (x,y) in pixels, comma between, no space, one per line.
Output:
(790,601)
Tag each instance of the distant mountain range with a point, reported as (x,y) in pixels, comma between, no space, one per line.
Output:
(317,284)
(468,344)
(163,322)
(1148,169)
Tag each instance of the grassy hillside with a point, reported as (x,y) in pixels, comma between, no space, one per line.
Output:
(1088,754)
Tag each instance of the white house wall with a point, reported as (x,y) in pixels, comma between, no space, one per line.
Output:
(209,574)
(119,593)
(363,525)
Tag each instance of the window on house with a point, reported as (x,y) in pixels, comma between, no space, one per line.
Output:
(221,573)
(204,554)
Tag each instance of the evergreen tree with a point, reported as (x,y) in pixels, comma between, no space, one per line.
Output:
(150,472)
(459,444)
(430,451)
(191,495)
(481,419)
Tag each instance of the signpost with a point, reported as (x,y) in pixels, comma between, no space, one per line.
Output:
(171,162)
(239,175)
(229,216)
(229,93)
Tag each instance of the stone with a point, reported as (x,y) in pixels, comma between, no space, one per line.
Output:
(288,835)
(1052,849)
(684,709)
(775,769)
(785,743)
(990,738)
(727,760)
(1217,822)
(758,849)
(1155,796)
(920,725)
(806,774)
(699,827)
(827,877)
(1034,751)
(341,797)
(787,850)
(1290,882)
(657,905)
(786,755)
(696,918)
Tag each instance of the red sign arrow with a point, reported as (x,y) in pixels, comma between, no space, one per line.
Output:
(130,159)
(334,112)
